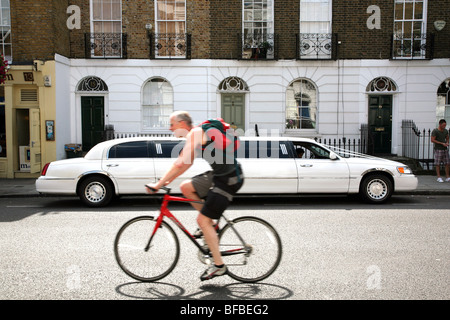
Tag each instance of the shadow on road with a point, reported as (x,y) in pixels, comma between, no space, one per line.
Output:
(169,291)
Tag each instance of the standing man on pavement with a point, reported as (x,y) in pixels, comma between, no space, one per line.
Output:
(440,138)
(217,186)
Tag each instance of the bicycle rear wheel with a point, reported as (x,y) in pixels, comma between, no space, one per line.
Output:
(260,254)
(146,265)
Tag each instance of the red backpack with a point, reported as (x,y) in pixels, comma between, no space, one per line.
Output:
(221,133)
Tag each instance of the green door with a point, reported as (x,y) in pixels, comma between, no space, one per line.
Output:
(92,121)
(380,123)
(233,109)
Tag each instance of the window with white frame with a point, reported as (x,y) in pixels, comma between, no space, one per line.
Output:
(258,26)
(170,28)
(409,29)
(443,102)
(315,29)
(157,104)
(106,28)
(5,29)
(301,105)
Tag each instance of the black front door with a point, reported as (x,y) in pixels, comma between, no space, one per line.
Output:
(380,123)
(92,121)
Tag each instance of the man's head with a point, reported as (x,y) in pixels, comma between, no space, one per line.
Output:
(442,124)
(180,123)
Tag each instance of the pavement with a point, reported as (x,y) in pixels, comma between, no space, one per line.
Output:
(24,187)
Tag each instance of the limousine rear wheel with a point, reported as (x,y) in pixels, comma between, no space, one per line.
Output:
(95,191)
(376,188)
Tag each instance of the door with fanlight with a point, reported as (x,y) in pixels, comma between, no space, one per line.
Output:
(380,123)
(233,109)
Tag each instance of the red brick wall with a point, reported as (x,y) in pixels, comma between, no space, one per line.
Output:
(39,28)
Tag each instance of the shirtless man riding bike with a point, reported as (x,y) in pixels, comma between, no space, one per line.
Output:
(217,186)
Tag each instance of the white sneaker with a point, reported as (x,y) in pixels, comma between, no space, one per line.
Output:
(213,271)
(447,180)
(440,179)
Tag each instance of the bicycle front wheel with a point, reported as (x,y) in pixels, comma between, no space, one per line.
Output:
(251,248)
(138,262)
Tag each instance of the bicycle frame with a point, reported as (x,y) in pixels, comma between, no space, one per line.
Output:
(165,212)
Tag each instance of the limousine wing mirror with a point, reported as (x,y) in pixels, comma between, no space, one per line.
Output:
(333,156)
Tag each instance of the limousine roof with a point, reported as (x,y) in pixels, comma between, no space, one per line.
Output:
(97,151)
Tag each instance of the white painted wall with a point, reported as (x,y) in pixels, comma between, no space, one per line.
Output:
(343,101)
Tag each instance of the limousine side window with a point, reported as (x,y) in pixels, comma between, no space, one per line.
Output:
(135,149)
(312,151)
(168,149)
(263,149)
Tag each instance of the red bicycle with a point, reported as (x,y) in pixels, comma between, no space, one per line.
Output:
(147,248)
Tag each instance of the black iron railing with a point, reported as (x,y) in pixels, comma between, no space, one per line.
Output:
(170,45)
(262,46)
(417,144)
(346,148)
(316,46)
(106,45)
(419,46)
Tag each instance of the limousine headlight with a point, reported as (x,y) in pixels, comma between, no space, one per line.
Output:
(404,170)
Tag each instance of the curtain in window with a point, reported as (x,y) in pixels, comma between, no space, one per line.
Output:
(157,104)
(171,16)
(107,16)
(171,28)
(315,16)
(301,105)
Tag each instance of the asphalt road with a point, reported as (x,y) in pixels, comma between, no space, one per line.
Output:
(334,249)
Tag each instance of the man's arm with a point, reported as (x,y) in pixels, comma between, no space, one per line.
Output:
(445,144)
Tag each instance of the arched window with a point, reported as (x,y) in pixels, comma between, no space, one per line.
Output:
(443,102)
(301,105)
(157,104)
(381,84)
(92,83)
(233,84)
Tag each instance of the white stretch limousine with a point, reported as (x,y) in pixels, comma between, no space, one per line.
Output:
(270,165)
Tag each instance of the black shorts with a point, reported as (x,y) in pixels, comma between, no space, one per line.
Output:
(218,190)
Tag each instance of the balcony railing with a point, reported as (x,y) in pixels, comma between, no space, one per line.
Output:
(317,46)
(106,45)
(412,47)
(258,46)
(170,46)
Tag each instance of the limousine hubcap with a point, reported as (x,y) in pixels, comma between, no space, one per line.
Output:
(95,192)
(377,189)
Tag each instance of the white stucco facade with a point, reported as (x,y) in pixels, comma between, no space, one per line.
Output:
(342,97)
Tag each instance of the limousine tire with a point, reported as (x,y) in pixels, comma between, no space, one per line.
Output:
(376,188)
(96,191)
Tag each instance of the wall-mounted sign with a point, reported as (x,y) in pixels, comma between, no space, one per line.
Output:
(439,25)
(50,130)
(28,76)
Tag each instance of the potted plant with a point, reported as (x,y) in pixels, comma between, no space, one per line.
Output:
(263,48)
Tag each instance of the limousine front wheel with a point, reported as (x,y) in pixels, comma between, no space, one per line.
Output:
(95,191)
(376,188)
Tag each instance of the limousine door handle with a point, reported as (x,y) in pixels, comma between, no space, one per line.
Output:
(306,165)
(112,165)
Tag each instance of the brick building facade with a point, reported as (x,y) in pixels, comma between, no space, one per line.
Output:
(251,62)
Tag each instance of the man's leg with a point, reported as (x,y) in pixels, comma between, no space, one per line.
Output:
(189,192)
(210,235)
